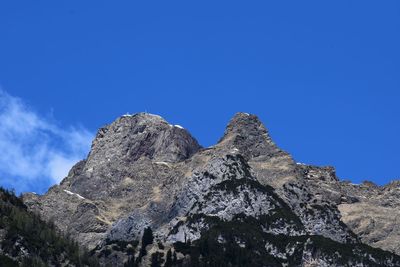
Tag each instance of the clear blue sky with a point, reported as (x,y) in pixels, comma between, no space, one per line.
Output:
(324,76)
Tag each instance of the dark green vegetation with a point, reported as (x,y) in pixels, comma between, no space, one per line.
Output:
(115,249)
(242,242)
(27,240)
(7,261)
(147,239)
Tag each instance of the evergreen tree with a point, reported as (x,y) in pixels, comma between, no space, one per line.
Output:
(194,257)
(174,258)
(168,260)
(147,239)
(131,262)
(156,259)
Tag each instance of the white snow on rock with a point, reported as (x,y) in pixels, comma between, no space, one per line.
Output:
(68,192)
(71,193)
(154,115)
(162,163)
(178,126)
(79,196)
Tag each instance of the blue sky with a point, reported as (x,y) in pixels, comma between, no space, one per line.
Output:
(322,75)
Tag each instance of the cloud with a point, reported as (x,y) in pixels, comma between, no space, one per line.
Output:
(34,150)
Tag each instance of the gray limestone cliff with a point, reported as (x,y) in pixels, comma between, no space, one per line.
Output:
(144,172)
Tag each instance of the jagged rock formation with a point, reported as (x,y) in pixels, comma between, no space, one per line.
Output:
(241,194)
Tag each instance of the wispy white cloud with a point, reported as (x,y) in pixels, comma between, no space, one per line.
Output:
(34,149)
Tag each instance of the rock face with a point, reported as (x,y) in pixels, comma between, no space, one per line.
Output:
(127,164)
(370,211)
(373,213)
(243,193)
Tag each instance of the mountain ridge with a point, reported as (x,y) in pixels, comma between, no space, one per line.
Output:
(144,172)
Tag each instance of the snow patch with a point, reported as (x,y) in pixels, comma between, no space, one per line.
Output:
(79,196)
(154,115)
(234,150)
(70,193)
(162,163)
(178,126)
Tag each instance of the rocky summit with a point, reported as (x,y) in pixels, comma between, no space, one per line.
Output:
(149,195)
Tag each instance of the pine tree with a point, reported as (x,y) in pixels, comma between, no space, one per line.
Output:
(168,260)
(131,262)
(194,257)
(156,260)
(147,239)
(174,258)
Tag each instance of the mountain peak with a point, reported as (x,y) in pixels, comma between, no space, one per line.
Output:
(248,134)
(144,116)
(142,134)
(245,123)
(141,118)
